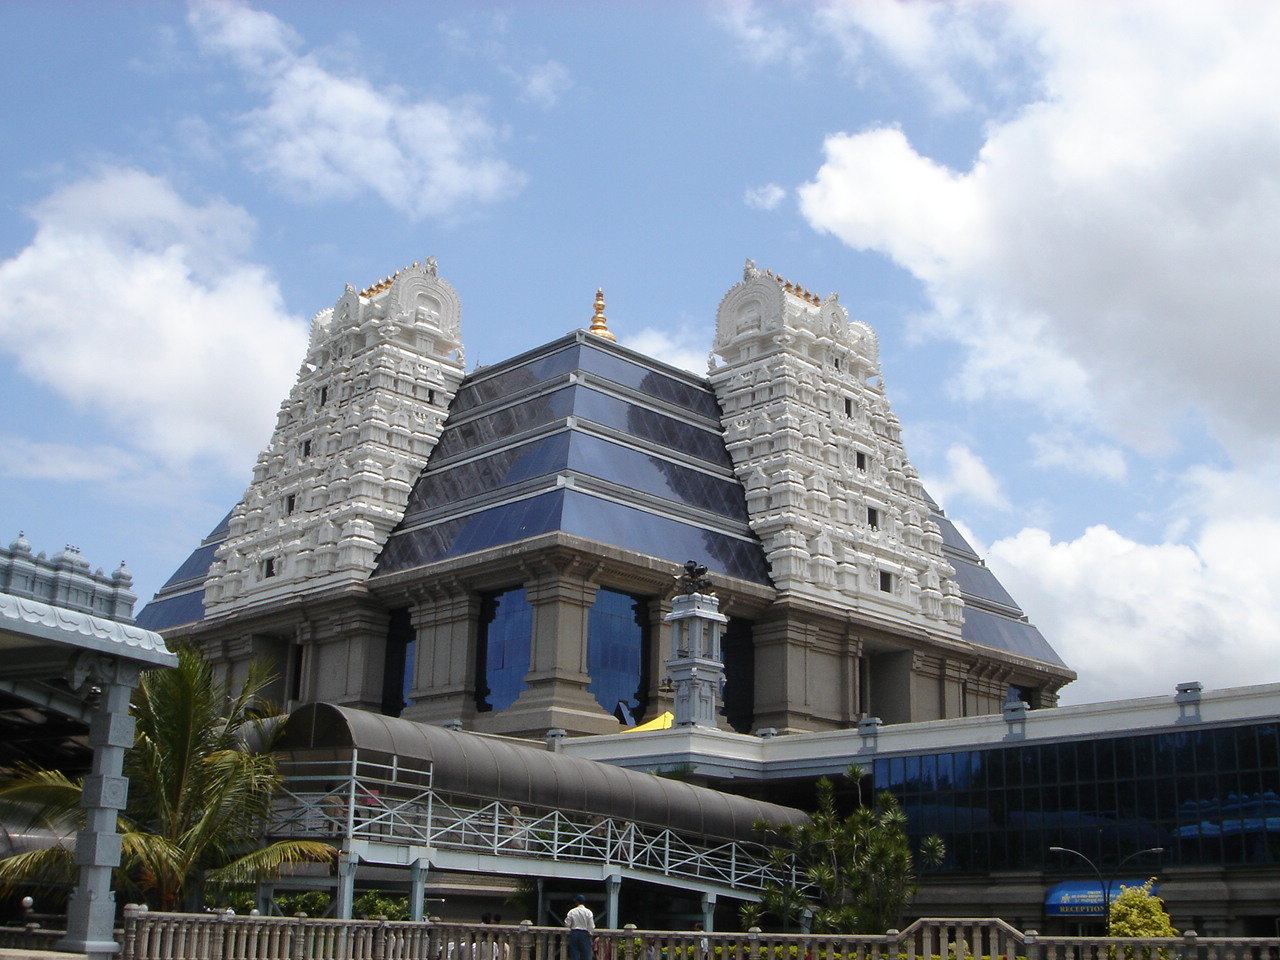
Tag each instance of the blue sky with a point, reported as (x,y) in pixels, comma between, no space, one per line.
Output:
(1061,219)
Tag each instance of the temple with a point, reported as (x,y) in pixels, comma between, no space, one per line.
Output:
(495,550)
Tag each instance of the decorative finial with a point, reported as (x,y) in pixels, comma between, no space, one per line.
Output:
(693,579)
(599,323)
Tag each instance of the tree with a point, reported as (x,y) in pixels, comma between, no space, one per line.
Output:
(199,793)
(854,873)
(1137,912)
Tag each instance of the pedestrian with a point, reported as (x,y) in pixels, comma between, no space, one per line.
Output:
(582,924)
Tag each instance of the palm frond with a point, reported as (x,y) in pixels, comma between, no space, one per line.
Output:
(266,863)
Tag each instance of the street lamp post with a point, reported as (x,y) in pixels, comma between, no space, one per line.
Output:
(1105,886)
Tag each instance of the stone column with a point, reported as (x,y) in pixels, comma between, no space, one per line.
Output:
(446,629)
(92,911)
(695,667)
(561,595)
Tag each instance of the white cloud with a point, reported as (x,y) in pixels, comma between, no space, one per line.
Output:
(685,348)
(545,83)
(760,38)
(1067,451)
(938,42)
(1137,619)
(967,479)
(138,308)
(1123,229)
(101,464)
(325,136)
(766,197)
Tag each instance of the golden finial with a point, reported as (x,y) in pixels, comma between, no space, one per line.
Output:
(599,323)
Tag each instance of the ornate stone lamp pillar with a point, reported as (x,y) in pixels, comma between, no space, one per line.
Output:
(695,667)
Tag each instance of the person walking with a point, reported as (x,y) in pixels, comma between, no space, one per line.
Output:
(582,924)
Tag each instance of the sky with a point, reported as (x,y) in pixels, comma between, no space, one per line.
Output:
(1062,220)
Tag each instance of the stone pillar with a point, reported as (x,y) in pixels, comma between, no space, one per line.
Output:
(444,684)
(556,696)
(695,667)
(661,695)
(92,911)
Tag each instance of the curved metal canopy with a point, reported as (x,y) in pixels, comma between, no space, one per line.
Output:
(493,768)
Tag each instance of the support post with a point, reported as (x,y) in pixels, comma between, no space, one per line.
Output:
(417,888)
(708,911)
(613,885)
(91,913)
(346,884)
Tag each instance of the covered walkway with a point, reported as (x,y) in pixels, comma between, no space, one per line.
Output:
(396,793)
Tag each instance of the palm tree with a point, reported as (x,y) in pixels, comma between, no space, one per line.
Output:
(200,793)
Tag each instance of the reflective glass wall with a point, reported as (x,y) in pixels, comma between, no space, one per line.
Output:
(618,653)
(503,648)
(1207,796)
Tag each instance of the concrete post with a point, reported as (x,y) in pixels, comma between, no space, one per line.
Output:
(613,885)
(91,913)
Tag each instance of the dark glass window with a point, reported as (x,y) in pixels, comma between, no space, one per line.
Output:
(738,652)
(397,675)
(503,650)
(618,653)
(1208,797)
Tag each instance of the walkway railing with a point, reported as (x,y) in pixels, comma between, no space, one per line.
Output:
(395,804)
(180,936)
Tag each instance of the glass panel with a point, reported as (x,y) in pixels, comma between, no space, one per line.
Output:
(486,386)
(700,400)
(661,537)
(504,648)
(586,454)
(172,611)
(618,653)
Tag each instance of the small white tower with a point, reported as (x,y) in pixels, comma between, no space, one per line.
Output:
(695,668)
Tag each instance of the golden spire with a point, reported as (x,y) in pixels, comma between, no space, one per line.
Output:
(599,323)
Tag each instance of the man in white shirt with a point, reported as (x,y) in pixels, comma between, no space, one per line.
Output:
(582,924)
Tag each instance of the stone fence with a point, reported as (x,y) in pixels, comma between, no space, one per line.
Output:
(184,936)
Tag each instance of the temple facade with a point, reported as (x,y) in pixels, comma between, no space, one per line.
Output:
(497,550)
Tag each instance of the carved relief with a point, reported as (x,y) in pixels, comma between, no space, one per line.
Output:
(829,488)
(379,366)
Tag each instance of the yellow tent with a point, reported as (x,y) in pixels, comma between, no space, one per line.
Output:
(662,722)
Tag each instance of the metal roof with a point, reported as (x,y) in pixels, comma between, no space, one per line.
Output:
(495,768)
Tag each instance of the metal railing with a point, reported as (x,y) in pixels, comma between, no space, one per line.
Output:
(395,804)
(176,936)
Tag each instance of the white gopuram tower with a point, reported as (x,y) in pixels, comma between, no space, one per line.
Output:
(829,488)
(367,409)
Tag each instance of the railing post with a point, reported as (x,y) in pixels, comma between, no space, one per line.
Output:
(298,937)
(131,911)
(380,939)
(524,940)
(218,936)
(629,942)
(753,943)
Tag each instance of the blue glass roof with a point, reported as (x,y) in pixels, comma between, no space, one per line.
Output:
(181,600)
(580,514)
(588,441)
(172,611)
(1004,633)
